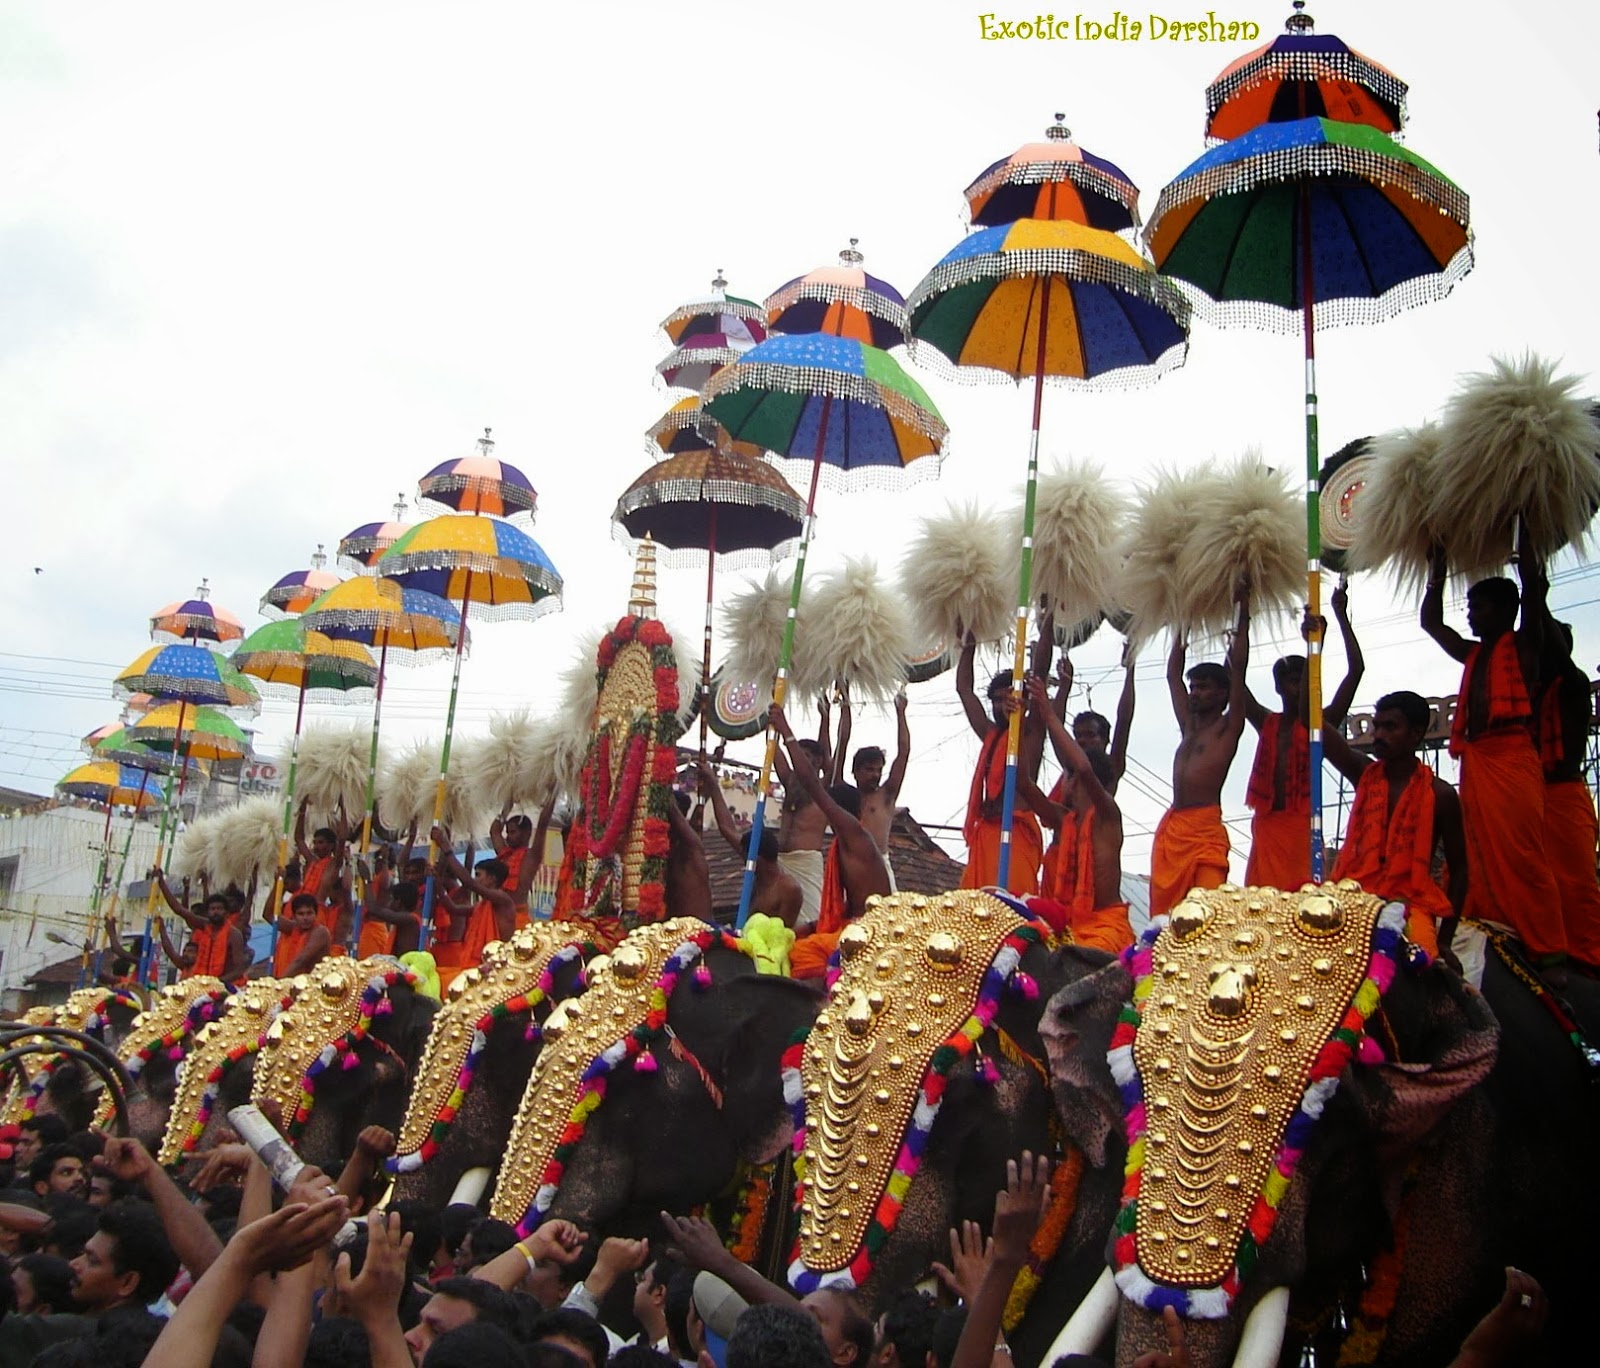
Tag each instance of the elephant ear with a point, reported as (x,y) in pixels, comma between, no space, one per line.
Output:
(1076,1027)
(763,1015)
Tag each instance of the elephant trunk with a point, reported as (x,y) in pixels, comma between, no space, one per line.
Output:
(1090,1323)
(1262,1340)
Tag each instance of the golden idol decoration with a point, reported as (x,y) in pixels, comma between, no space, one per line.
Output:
(576,1032)
(910,972)
(244,1018)
(163,1018)
(23,1071)
(326,1008)
(1247,985)
(510,969)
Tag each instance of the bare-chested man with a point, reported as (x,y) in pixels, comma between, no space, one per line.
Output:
(986,799)
(1088,863)
(855,865)
(803,827)
(880,796)
(777,892)
(1279,796)
(1191,844)
(1093,731)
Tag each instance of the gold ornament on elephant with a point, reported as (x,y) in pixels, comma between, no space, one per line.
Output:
(168,1010)
(1248,984)
(75,1014)
(581,1028)
(910,973)
(326,1008)
(21,1073)
(510,969)
(627,701)
(245,1017)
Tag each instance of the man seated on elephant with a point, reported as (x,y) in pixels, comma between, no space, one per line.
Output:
(777,892)
(854,870)
(493,917)
(803,825)
(303,940)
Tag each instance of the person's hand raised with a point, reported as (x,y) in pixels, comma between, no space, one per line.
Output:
(125,1159)
(290,1236)
(969,1254)
(1020,1208)
(375,1292)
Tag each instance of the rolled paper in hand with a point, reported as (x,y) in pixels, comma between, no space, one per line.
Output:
(268,1143)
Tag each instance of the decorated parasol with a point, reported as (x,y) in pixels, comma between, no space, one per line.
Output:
(195,620)
(200,733)
(694,361)
(297,590)
(710,504)
(841,301)
(479,484)
(1054,179)
(1054,300)
(843,406)
(360,547)
(684,427)
(1306,223)
(472,560)
(742,320)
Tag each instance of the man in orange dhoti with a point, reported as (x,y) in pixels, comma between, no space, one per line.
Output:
(1570,830)
(1502,780)
(1279,796)
(1402,813)
(1088,867)
(986,800)
(491,918)
(1191,844)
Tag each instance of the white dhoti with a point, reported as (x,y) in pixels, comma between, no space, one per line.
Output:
(888,868)
(806,867)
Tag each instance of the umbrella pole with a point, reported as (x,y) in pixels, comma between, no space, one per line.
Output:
(170,818)
(372,782)
(444,762)
(1024,598)
(780,685)
(116,888)
(274,902)
(94,902)
(1313,542)
(705,644)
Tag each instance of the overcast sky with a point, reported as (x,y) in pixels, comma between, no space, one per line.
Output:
(263,266)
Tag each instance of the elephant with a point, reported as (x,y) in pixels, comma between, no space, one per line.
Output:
(444,1138)
(689,1094)
(58,1083)
(1441,1157)
(153,1047)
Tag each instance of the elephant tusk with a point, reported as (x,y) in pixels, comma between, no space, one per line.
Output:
(470,1187)
(1262,1340)
(1095,1315)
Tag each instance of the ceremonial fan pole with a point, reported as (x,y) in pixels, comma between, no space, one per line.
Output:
(444,755)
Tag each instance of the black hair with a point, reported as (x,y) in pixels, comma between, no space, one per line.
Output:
(338,1342)
(811,746)
(680,1296)
(1497,590)
(869,755)
(327,834)
(52,1279)
(681,799)
(45,1161)
(1094,719)
(72,1225)
(847,796)
(49,1127)
(302,900)
(771,1336)
(142,1246)
(1281,666)
(577,1325)
(87,1143)
(352,1240)
(124,1337)
(1411,706)
(947,1335)
(908,1325)
(641,1356)
(475,1345)
(854,1324)
(457,1220)
(404,895)
(490,1302)
(544,1355)
(768,849)
(216,898)
(1210,672)
(491,1238)
(495,869)
(426,1226)
(1000,683)
(519,820)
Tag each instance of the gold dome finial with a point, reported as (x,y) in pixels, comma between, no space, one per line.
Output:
(642,600)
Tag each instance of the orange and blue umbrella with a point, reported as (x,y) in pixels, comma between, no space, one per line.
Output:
(479,484)
(195,620)
(683,427)
(1305,224)
(1301,74)
(496,567)
(841,301)
(105,781)
(360,547)
(741,319)
(190,674)
(1054,179)
(299,589)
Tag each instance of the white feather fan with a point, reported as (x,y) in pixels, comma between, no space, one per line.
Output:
(194,853)
(1248,521)
(1516,441)
(1164,518)
(857,631)
(247,842)
(406,788)
(1392,525)
(753,621)
(333,770)
(959,576)
(1078,516)
(502,767)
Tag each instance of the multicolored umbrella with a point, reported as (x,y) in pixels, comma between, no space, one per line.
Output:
(201,733)
(122,749)
(1054,179)
(1058,301)
(1301,74)
(741,319)
(195,620)
(189,674)
(99,734)
(706,504)
(105,781)
(1307,224)
(299,589)
(479,484)
(841,301)
(684,427)
(360,548)
(698,358)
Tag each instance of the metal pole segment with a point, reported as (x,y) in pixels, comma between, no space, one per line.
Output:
(99,893)
(171,817)
(1024,598)
(444,759)
(780,685)
(275,897)
(1313,542)
(705,645)
(372,781)
(116,888)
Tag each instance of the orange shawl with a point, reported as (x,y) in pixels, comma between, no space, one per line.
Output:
(1297,775)
(1073,882)
(1508,692)
(210,952)
(1394,858)
(311,880)
(988,781)
(291,941)
(835,895)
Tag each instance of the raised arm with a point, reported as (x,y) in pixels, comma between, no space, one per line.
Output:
(1082,772)
(711,788)
(447,860)
(902,749)
(841,754)
(1355,664)
(1340,753)
(175,955)
(825,734)
(845,827)
(1255,712)
(497,831)
(178,909)
(237,964)
(1239,661)
(533,861)
(1118,751)
(1177,686)
(977,718)
(1432,614)
(300,845)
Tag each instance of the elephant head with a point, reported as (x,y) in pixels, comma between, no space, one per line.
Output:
(152,1048)
(682,1041)
(480,1051)
(57,1082)
(339,1057)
